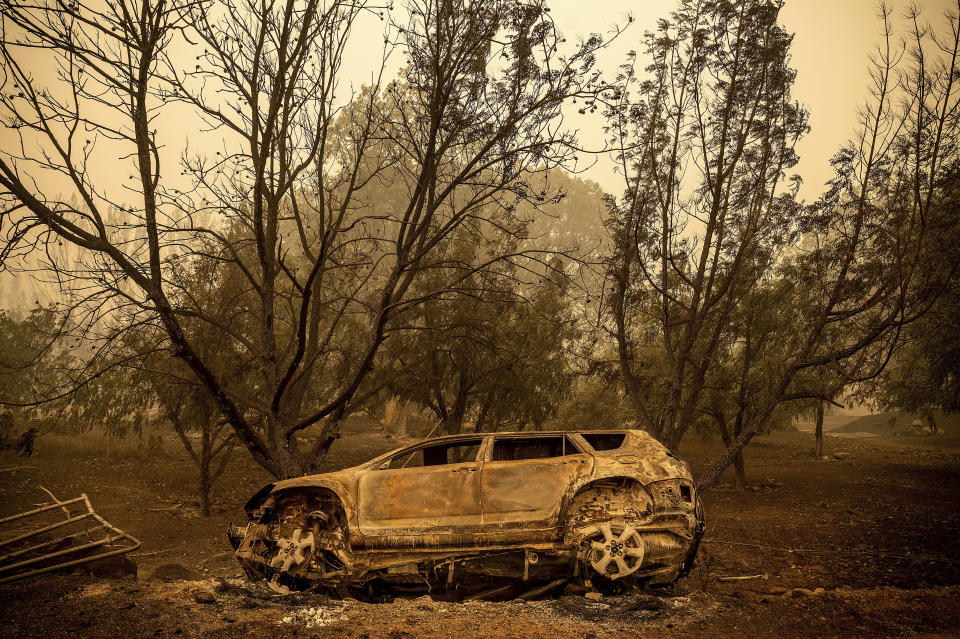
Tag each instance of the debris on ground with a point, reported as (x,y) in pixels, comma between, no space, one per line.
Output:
(35,543)
(743,577)
(315,616)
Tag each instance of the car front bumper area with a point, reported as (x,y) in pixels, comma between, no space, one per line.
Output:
(289,557)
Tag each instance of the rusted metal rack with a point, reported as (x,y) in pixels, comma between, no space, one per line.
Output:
(31,552)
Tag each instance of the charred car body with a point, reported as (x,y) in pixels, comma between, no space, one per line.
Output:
(614,506)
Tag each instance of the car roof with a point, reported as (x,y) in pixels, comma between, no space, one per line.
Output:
(516,433)
(524,433)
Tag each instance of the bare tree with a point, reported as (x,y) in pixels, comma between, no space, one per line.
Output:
(861,278)
(709,221)
(476,111)
(706,135)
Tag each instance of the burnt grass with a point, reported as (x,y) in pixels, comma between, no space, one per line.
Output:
(875,527)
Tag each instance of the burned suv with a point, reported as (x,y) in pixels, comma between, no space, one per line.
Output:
(607,505)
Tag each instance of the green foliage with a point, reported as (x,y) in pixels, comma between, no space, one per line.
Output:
(924,372)
(491,351)
(924,375)
(35,363)
(595,401)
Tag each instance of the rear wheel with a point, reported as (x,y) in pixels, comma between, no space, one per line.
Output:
(612,548)
(600,526)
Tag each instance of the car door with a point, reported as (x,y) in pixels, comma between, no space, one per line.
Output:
(524,478)
(426,490)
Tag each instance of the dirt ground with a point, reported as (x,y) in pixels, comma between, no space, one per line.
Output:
(862,544)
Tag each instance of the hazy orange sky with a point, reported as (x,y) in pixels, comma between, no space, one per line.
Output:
(833,39)
(831,48)
(830,51)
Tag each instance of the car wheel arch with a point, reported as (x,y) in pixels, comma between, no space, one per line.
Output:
(593,483)
(320,490)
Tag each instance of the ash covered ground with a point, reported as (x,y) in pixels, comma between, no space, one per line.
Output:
(859,544)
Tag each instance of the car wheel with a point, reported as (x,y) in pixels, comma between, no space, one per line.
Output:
(613,549)
(292,556)
(317,545)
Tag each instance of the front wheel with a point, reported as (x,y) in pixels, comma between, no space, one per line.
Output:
(291,559)
(304,545)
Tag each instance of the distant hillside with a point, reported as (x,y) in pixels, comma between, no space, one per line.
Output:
(831,423)
(892,423)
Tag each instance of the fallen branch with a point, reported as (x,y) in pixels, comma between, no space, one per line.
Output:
(65,510)
(156,552)
(742,577)
(491,593)
(164,508)
(227,554)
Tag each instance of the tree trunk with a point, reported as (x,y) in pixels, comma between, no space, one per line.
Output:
(738,465)
(205,488)
(454,420)
(400,426)
(482,417)
(751,428)
(395,416)
(727,441)
(818,431)
(669,436)
(289,461)
(726,458)
(739,468)
(932,423)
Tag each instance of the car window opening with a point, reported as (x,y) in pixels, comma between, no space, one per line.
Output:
(520,448)
(440,455)
(604,441)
